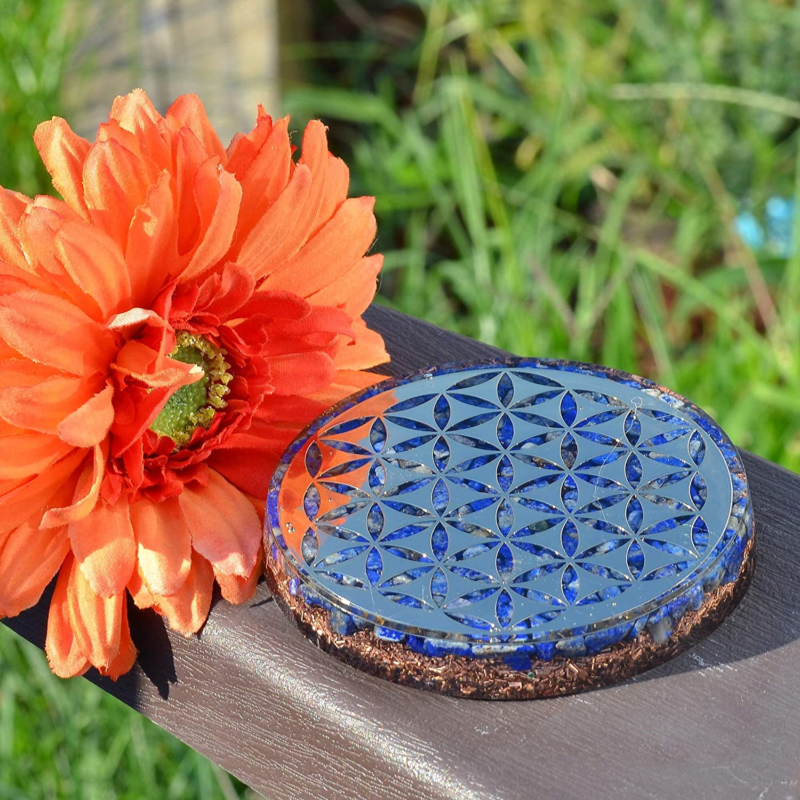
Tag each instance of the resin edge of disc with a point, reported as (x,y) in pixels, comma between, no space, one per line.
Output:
(491,678)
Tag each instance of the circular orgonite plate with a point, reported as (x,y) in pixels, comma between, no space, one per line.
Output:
(510,529)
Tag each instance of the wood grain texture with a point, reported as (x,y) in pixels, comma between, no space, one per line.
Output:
(721,721)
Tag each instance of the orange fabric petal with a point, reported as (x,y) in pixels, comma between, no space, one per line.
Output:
(52,331)
(96,621)
(45,406)
(187,611)
(152,242)
(279,233)
(225,529)
(29,560)
(339,245)
(86,493)
(189,155)
(139,592)
(136,114)
(140,362)
(164,545)
(368,349)
(337,182)
(314,154)
(38,229)
(265,177)
(64,654)
(244,147)
(126,657)
(64,153)
(89,424)
(21,503)
(238,590)
(104,545)
(217,237)
(21,372)
(12,207)
(355,288)
(115,182)
(188,111)
(23,455)
(301,373)
(95,263)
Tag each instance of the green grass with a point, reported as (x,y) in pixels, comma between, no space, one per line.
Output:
(68,739)
(556,177)
(560,178)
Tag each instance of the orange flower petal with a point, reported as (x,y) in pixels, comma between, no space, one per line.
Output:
(42,407)
(280,232)
(366,351)
(115,182)
(238,590)
(29,560)
(164,545)
(23,455)
(96,621)
(187,611)
(139,592)
(218,235)
(314,154)
(104,545)
(64,153)
(52,331)
(224,527)
(264,178)
(113,130)
(188,111)
(152,242)
(301,373)
(86,493)
(355,288)
(21,503)
(38,229)
(12,207)
(89,424)
(136,114)
(189,155)
(337,182)
(95,263)
(244,148)
(338,246)
(21,372)
(64,655)
(126,657)
(138,361)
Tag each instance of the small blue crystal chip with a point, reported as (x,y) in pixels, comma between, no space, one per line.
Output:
(520,509)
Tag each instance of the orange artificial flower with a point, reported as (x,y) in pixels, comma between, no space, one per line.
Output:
(165,331)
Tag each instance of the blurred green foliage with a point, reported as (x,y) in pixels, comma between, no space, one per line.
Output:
(68,739)
(560,178)
(36,39)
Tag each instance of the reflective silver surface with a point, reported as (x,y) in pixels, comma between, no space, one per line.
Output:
(511,502)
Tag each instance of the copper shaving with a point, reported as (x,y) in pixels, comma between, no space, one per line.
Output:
(491,678)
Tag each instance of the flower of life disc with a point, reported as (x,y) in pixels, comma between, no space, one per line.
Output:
(508,503)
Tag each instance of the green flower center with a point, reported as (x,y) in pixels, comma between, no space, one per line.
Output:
(195,405)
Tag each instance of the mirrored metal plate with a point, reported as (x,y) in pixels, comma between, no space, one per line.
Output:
(509,503)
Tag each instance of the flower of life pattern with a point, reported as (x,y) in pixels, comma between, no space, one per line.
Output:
(504,503)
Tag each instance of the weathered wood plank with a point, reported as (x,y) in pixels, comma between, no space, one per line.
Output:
(720,721)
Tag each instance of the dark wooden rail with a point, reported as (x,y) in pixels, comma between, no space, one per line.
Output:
(721,721)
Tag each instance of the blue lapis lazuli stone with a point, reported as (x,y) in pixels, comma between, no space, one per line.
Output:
(523,509)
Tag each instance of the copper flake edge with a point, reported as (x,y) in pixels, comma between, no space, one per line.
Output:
(492,678)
